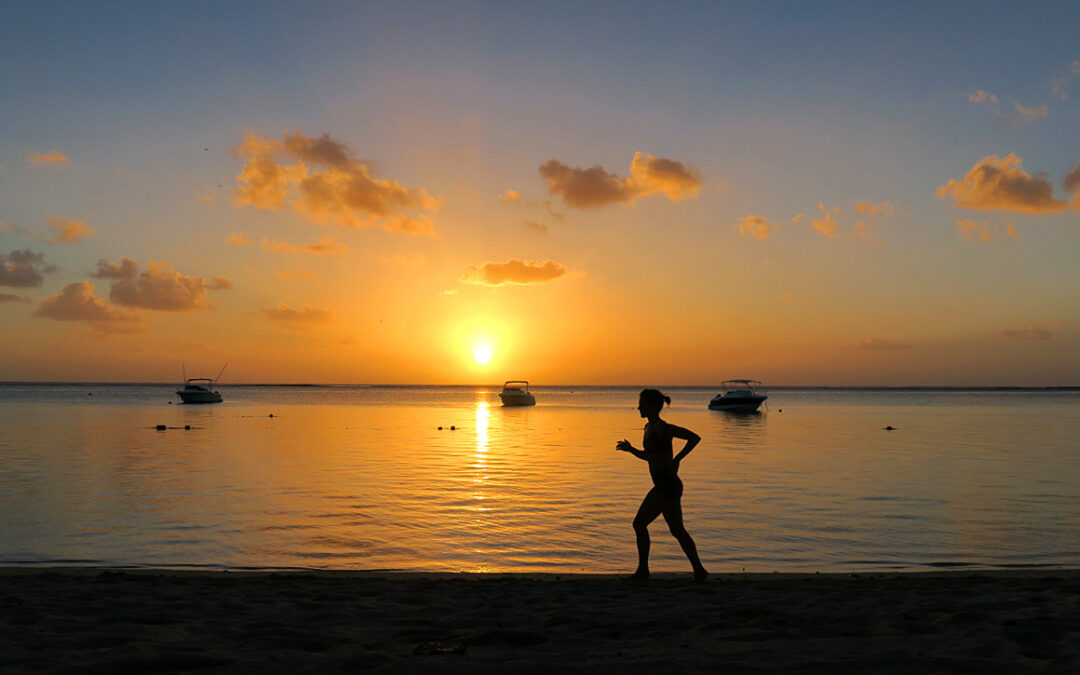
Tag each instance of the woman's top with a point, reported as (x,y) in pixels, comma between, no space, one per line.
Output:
(657,445)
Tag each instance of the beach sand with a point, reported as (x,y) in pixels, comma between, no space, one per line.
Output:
(116,621)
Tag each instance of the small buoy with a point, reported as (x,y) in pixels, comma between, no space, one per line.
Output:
(270,415)
(187,427)
(170,402)
(779,410)
(160,427)
(440,428)
(890,428)
(453,428)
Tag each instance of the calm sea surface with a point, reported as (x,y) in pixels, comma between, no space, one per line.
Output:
(362,477)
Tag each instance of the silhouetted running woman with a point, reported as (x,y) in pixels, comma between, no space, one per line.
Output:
(666,496)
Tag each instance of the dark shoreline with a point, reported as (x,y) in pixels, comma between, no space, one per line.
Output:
(121,620)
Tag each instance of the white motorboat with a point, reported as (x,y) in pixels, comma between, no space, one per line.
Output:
(200,389)
(739,396)
(516,392)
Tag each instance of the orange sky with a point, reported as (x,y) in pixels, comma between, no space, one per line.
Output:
(594,207)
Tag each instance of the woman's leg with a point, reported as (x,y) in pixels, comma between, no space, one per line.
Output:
(673,515)
(648,511)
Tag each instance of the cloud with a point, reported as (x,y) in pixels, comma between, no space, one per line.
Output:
(10,297)
(996,183)
(658,174)
(510,197)
(880,345)
(826,224)
(863,230)
(220,284)
(1072,185)
(205,197)
(293,274)
(1027,333)
(326,246)
(68,230)
(305,317)
(595,187)
(798,218)
(126,268)
(534,226)
(981,96)
(875,211)
(239,239)
(420,225)
(1062,82)
(513,272)
(53,158)
(23,269)
(77,302)
(756,227)
(160,287)
(1026,115)
(335,190)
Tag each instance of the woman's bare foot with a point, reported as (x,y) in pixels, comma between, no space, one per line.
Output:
(701,575)
(640,575)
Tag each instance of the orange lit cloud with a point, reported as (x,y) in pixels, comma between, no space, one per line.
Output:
(534,226)
(420,225)
(826,224)
(77,302)
(305,317)
(880,345)
(239,239)
(513,272)
(54,158)
(68,230)
(1025,115)
(874,211)
(23,269)
(1027,333)
(159,288)
(326,246)
(205,197)
(335,190)
(996,183)
(510,197)
(10,297)
(595,187)
(981,96)
(756,227)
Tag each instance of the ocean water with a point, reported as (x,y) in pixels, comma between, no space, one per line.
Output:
(363,478)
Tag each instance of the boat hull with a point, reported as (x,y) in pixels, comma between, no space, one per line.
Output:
(199,396)
(517,399)
(739,404)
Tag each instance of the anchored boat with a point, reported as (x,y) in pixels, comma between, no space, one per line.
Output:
(200,389)
(739,396)
(516,392)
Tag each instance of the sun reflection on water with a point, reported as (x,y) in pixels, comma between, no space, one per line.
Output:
(480,462)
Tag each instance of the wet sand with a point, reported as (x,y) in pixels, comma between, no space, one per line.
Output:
(109,621)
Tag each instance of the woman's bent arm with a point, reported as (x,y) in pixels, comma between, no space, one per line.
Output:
(692,440)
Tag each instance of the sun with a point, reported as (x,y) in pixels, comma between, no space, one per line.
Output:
(482,354)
